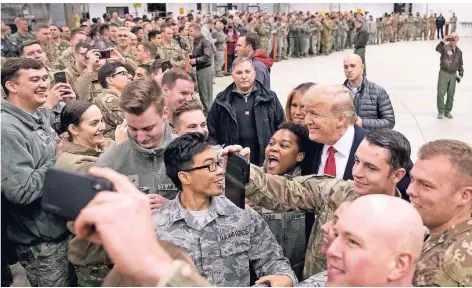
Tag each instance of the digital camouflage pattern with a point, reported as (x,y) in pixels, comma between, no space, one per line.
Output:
(225,244)
(46,264)
(320,195)
(446,259)
(91,276)
(318,280)
(66,59)
(172,52)
(109,103)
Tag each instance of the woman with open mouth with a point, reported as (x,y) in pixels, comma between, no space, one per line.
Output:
(283,156)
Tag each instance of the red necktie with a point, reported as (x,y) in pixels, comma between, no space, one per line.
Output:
(330,166)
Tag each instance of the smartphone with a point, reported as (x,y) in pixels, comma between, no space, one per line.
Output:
(105,54)
(452,39)
(65,193)
(60,77)
(166,65)
(236,178)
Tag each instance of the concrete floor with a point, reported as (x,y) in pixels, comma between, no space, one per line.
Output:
(409,73)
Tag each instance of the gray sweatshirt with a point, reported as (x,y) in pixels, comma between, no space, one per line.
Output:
(28,151)
(144,167)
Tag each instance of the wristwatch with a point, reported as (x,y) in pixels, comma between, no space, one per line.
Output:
(181,274)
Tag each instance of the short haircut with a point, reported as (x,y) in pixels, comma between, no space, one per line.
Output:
(39,27)
(152,34)
(173,24)
(105,15)
(239,60)
(186,107)
(458,153)
(156,65)
(54,26)
(80,45)
(72,114)
(136,29)
(196,26)
(112,24)
(179,154)
(146,67)
(12,66)
(302,88)
(170,77)
(102,28)
(140,94)
(252,39)
(300,131)
(82,21)
(28,43)
(148,46)
(76,31)
(137,19)
(398,146)
(108,69)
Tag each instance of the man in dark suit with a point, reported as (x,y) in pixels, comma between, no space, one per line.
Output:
(335,141)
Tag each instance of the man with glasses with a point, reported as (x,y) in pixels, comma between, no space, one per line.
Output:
(222,239)
(113,77)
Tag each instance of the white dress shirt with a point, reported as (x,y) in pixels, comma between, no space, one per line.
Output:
(343,149)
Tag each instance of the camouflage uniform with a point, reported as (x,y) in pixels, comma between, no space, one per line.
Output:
(66,59)
(292,34)
(299,40)
(424,28)
(261,30)
(92,275)
(281,49)
(18,40)
(220,52)
(417,27)
(446,259)
(306,39)
(172,52)
(408,28)
(225,244)
(87,86)
(320,194)
(285,36)
(327,36)
(56,51)
(313,37)
(401,28)
(335,39)
(432,26)
(317,280)
(344,32)
(319,30)
(109,103)
(129,53)
(47,264)
(72,75)
(379,32)
(453,24)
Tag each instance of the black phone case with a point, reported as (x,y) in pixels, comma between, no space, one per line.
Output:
(236,178)
(60,77)
(166,65)
(65,193)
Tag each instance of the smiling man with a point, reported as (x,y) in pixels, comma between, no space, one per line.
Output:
(141,156)
(380,162)
(223,240)
(189,118)
(178,87)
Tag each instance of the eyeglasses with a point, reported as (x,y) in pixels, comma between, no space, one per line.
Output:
(211,167)
(124,73)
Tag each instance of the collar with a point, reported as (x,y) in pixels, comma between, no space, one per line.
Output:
(219,206)
(344,144)
(74,148)
(447,235)
(167,138)
(360,88)
(32,120)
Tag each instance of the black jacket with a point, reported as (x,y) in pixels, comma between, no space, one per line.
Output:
(222,124)
(440,21)
(203,52)
(361,38)
(8,48)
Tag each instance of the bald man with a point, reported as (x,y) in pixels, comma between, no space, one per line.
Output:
(452,70)
(381,252)
(372,103)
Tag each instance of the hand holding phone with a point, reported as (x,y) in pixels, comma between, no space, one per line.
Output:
(105,54)
(60,77)
(236,178)
(65,193)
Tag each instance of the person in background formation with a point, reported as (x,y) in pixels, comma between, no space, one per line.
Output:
(220,45)
(409,27)
(360,42)
(432,26)
(113,77)
(440,22)
(379,25)
(424,28)
(453,23)
(416,26)
(452,71)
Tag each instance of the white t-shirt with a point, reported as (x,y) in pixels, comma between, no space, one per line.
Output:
(200,215)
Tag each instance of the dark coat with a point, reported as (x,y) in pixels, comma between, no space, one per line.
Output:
(202,52)
(222,124)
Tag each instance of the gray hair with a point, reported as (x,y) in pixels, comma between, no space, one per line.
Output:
(240,60)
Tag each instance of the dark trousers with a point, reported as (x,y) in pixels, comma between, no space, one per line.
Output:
(361,53)
(230,62)
(442,33)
